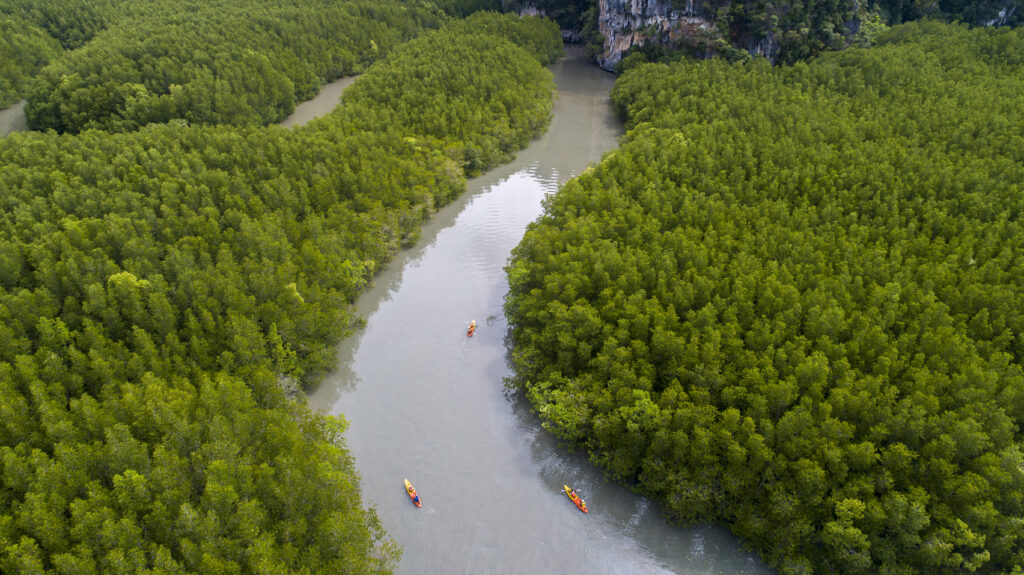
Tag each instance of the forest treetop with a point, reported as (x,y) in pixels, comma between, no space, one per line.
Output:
(792,302)
(166,292)
(799,30)
(225,62)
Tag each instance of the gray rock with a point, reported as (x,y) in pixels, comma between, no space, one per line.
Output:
(628,23)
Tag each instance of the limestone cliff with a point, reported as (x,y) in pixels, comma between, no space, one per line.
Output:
(628,23)
(783,31)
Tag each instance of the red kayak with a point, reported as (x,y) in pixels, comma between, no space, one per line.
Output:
(576,499)
(472,328)
(412,494)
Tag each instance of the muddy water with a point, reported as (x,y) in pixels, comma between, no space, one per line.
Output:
(13,119)
(325,101)
(427,403)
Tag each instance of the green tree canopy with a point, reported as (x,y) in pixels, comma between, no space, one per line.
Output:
(70,22)
(792,302)
(24,50)
(222,62)
(165,292)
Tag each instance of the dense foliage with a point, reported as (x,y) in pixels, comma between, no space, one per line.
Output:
(976,12)
(32,33)
(478,124)
(71,22)
(539,36)
(463,8)
(163,291)
(223,62)
(793,302)
(24,49)
(569,14)
(801,29)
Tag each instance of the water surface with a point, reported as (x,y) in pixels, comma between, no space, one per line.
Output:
(427,403)
(13,119)
(321,104)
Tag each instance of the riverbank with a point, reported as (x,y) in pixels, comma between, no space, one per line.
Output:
(425,402)
(323,103)
(13,119)
(267,234)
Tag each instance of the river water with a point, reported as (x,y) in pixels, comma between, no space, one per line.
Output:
(13,119)
(425,402)
(321,104)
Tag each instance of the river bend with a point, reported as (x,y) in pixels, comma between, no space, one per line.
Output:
(425,402)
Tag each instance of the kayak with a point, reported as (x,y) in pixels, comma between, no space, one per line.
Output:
(472,328)
(412,494)
(576,499)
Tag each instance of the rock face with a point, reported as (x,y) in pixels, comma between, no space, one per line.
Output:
(628,23)
(1004,15)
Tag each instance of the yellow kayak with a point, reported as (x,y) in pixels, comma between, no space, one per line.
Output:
(576,498)
(412,494)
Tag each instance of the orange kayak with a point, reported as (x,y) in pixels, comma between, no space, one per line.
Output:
(412,494)
(576,498)
(472,328)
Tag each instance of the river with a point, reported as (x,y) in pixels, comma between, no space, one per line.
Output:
(13,119)
(425,402)
(321,104)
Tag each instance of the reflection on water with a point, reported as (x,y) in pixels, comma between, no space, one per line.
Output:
(427,403)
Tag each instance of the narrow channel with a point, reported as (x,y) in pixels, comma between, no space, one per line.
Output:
(320,105)
(427,403)
(13,119)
